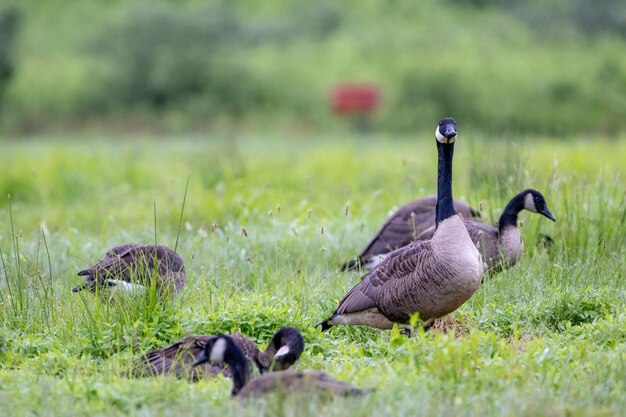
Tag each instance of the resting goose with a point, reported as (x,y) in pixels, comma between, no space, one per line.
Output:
(223,349)
(131,267)
(431,277)
(401,228)
(502,246)
(283,350)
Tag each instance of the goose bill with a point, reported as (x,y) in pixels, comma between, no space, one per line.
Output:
(548,214)
(200,359)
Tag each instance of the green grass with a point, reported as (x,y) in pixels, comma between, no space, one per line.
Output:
(266,223)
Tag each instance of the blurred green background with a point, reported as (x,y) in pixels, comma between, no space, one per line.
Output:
(553,67)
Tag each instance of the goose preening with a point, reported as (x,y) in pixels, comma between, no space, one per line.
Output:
(502,246)
(133,266)
(223,349)
(430,277)
(282,351)
(401,228)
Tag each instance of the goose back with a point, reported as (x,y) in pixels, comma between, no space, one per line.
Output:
(136,263)
(402,227)
(306,382)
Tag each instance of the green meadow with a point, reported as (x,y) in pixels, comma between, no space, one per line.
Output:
(267,220)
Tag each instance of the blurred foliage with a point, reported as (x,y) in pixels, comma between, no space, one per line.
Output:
(162,56)
(9,27)
(546,15)
(498,65)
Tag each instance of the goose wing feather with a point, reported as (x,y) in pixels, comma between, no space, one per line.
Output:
(176,358)
(400,265)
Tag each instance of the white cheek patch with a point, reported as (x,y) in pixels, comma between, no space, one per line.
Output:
(529,203)
(127,287)
(441,138)
(282,351)
(217,353)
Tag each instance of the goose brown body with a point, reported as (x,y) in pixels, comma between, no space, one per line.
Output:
(497,251)
(177,358)
(402,227)
(501,247)
(420,277)
(432,278)
(139,264)
(290,382)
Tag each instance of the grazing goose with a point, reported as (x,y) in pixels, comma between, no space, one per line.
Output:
(132,267)
(431,277)
(223,349)
(283,350)
(401,228)
(502,246)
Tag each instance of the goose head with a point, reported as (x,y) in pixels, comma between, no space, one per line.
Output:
(535,202)
(285,348)
(446,130)
(222,349)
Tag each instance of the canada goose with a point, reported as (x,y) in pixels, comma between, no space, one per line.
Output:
(132,266)
(283,350)
(502,246)
(223,349)
(401,228)
(431,277)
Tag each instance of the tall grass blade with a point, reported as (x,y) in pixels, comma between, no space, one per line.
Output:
(182,210)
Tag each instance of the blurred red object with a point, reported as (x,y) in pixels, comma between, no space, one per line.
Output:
(348,99)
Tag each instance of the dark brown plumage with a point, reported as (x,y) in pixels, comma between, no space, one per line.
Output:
(402,227)
(177,358)
(136,264)
(224,349)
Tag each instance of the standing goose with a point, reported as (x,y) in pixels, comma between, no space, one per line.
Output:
(401,228)
(283,350)
(224,349)
(432,277)
(502,246)
(133,266)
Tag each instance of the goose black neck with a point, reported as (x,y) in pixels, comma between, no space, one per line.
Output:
(512,209)
(286,336)
(238,364)
(289,338)
(445,205)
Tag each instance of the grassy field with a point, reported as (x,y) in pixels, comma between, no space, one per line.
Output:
(266,223)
